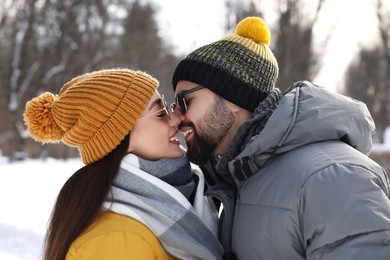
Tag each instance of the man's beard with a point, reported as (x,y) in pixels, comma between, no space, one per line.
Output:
(209,132)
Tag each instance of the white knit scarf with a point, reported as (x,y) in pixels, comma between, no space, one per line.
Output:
(186,232)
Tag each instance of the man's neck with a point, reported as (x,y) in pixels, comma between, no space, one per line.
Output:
(240,117)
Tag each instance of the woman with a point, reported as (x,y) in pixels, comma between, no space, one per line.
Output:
(131,200)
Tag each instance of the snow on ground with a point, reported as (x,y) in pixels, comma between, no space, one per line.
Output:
(385,146)
(28,190)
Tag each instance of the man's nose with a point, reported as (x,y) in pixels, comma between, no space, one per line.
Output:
(176,117)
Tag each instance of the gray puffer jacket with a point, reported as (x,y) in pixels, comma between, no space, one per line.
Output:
(310,191)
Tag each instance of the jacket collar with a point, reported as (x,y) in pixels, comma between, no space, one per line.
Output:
(306,114)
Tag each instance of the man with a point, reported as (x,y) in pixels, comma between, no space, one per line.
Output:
(297,162)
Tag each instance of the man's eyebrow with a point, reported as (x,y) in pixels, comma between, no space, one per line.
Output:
(155,103)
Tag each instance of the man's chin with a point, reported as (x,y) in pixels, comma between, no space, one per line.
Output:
(199,160)
(199,154)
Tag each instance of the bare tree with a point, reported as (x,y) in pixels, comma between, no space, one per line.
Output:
(236,10)
(292,36)
(368,76)
(142,48)
(19,72)
(50,41)
(294,48)
(384,30)
(44,43)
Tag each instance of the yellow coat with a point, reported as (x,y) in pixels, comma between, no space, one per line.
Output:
(115,236)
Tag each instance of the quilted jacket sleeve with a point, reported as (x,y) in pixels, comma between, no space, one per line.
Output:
(345,214)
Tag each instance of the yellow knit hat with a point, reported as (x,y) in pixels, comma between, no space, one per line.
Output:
(93,112)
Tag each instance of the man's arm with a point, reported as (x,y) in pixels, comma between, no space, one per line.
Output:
(345,214)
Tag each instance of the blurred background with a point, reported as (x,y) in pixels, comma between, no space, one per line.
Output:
(342,45)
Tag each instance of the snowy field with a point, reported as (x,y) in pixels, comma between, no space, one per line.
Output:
(28,190)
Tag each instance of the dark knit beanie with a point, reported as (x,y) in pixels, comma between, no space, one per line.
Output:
(240,67)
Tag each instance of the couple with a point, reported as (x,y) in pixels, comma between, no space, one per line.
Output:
(289,169)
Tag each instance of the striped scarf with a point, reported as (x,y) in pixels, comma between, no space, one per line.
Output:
(181,229)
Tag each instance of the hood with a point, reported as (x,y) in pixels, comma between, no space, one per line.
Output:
(308,114)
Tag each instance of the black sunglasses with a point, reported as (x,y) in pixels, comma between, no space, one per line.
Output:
(180,101)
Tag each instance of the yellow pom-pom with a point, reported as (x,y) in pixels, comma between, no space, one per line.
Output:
(255,29)
(39,119)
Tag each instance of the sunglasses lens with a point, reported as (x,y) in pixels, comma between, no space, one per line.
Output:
(180,103)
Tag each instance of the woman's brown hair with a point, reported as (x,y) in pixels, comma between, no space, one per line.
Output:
(80,201)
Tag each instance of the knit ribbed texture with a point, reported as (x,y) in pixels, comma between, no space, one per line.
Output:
(240,67)
(95,111)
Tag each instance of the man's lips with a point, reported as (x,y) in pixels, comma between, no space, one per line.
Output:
(186,131)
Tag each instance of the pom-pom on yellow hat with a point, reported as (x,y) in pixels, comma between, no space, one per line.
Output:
(93,112)
(240,67)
